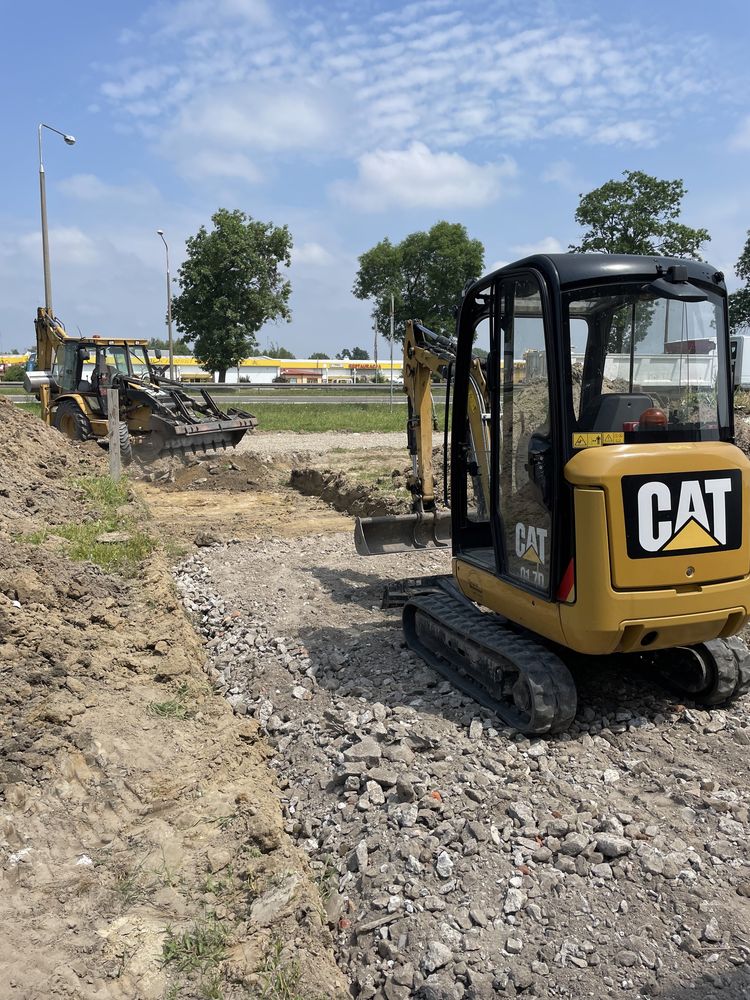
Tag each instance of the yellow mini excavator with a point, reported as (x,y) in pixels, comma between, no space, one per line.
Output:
(71,378)
(596,503)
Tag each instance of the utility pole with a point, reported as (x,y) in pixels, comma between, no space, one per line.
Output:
(392,329)
(160,232)
(69,141)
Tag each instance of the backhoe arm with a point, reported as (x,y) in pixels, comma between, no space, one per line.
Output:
(50,333)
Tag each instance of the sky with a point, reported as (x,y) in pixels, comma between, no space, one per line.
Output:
(348,122)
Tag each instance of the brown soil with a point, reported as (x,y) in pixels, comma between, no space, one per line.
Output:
(137,812)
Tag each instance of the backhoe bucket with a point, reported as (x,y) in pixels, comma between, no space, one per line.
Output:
(383,536)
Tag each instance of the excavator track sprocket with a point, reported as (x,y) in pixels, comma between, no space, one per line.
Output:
(711,673)
(525,684)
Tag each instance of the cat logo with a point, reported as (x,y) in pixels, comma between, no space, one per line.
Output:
(531,543)
(679,514)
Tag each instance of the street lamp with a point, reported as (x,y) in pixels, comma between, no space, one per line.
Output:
(160,232)
(70,140)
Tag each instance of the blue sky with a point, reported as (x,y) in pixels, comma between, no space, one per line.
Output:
(348,122)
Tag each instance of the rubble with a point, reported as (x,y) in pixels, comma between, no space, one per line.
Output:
(457,857)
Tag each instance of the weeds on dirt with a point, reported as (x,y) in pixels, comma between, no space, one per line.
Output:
(279,978)
(175,708)
(200,948)
(88,539)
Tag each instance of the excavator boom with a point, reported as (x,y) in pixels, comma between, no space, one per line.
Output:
(426,354)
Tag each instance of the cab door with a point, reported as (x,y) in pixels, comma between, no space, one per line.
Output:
(523,434)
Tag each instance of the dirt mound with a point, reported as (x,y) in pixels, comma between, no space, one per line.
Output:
(224,473)
(35,459)
(142,851)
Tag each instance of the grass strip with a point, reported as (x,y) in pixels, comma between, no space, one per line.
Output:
(318,417)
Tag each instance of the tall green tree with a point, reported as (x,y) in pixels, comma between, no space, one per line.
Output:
(162,344)
(637,215)
(739,301)
(319,356)
(425,272)
(355,354)
(231,284)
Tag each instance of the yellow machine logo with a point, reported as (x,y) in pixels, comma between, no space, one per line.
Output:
(681,514)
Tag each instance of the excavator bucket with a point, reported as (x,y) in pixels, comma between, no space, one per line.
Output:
(383,536)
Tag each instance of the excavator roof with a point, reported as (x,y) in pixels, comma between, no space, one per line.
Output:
(578,268)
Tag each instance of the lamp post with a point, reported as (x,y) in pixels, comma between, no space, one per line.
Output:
(70,141)
(160,232)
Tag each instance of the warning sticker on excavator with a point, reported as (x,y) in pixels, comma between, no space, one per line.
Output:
(591,439)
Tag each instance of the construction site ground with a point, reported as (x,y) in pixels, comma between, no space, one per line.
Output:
(280,800)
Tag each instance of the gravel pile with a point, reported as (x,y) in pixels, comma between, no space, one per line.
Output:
(458,859)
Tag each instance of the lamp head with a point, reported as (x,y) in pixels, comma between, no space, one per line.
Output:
(159,232)
(70,139)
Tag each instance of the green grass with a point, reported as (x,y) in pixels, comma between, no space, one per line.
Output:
(107,499)
(175,708)
(313,417)
(199,948)
(35,408)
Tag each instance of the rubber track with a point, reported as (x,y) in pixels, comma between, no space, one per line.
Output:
(485,636)
(732,661)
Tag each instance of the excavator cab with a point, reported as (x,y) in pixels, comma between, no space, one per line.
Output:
(596,496)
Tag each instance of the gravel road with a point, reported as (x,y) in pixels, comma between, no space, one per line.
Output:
(458,859)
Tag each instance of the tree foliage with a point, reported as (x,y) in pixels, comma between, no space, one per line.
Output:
(637,215)
(739,301)
(162,344)
(319,356)
(231,284)
(426,273)
(14,373)
(274,350)
(355,354)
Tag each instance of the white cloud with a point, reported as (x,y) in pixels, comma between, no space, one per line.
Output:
(548,244)
(415,177)
(206,163)
(562,173)
(637,133)
(311,253)
(89,187)
(241,75)
(741,138)
(68,243)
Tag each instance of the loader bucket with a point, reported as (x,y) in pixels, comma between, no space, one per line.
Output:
(382,536)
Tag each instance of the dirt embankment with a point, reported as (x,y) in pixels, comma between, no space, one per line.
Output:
(142,849)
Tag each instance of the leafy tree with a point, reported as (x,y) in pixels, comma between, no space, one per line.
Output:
(14,373)
(355,354)
(277,351)
(739,301)
(426,273)
(181,346)
(319,356)
(231,284)
(638,215)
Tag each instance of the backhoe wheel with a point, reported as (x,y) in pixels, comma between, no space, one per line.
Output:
(72,421)
(126,445)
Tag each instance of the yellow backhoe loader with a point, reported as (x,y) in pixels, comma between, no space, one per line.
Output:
(71,378)
(597,503)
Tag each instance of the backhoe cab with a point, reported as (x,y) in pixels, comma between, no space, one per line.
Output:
(71,382)
(596,496)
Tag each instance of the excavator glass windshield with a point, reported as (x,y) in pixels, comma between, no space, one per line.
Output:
(139,361)
(644,364)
